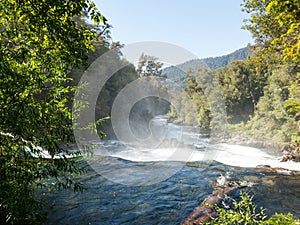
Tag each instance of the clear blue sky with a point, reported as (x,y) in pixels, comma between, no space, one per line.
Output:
(205,27)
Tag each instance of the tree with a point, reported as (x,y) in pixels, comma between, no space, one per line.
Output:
(40,43)
(205,104)
(275,24)
(271,119)
(198,109)
(111,89)
(292,105)
(242,86)
(149,66)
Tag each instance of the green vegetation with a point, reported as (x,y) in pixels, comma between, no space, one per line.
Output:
(149,66)
(220,61)
(275,25)
(40,43)
(246,212)
(45,47)
(261,94)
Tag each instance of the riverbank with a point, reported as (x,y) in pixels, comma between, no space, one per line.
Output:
(288,151)
(236,135)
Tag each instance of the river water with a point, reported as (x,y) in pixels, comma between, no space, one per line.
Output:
(130,184)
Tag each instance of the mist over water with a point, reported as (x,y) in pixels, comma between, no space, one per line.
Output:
(156,172)
(172,142)
(128,183)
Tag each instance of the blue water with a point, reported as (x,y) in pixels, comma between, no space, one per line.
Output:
(170,201)
(142,186)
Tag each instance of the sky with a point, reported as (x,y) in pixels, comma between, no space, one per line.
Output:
(207,28)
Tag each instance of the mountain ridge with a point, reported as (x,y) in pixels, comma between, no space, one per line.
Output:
(178,73)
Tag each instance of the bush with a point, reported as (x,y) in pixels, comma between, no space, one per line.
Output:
(281,219)
(246,212)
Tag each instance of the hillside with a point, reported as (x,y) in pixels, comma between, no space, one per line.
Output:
(178,73)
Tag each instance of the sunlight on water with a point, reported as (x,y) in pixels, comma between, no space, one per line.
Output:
(167,155)
(242,156)
(233,155)
(130,184)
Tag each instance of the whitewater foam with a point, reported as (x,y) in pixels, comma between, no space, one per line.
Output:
(233,155)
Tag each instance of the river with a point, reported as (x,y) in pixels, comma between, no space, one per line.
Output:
(127,184)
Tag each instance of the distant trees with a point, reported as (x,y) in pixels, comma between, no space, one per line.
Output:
(263,98)
(109,92)
(261,93)
(242,87)
(201,103)
(149,69)
(271,118)
(149,66)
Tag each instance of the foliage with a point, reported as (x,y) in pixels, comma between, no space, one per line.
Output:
(292,105)
(194,108)
(238,85)
(149,66)
(266,100)
(112,86)
(242,87)
(40,43)
(281,219)
(275,25)
(109,92)
(243,212)
(272,118)
(202,102)
(262,91)
(246,212)
(150,69)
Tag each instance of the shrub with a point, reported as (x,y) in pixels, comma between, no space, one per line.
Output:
(246,212)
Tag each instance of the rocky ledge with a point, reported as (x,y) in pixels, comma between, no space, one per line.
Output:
(291,152)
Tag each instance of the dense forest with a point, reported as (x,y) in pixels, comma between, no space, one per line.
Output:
(261,100)
(46,46)
(261,93)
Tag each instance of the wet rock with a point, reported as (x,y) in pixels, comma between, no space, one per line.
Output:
(269,169)
(206,210)
(290,156)
(291,152)
(263,166)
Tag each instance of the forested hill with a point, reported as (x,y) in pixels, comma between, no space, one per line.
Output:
(177,73)
(217,62)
